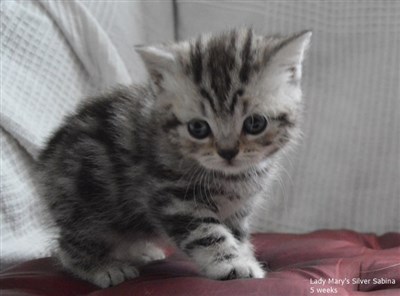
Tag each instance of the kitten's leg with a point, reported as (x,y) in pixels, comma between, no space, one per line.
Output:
(89,258)
(200,234)
(238,225)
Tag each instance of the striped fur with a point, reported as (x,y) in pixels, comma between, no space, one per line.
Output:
(123,172)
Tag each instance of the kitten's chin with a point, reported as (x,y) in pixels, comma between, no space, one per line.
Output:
(232,168)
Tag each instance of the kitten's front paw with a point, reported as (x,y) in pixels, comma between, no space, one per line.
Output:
(146,254)
(112,275)
(236,269)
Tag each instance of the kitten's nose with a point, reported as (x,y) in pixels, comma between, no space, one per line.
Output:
(228,154)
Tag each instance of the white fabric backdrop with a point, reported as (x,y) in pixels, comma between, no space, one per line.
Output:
(41,80)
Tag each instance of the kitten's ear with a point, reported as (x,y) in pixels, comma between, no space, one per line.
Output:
(158,61)
(289,55)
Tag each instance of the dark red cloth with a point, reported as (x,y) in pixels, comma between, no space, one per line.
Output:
(359,263)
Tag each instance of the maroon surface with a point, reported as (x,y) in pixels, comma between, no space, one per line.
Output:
(296,263)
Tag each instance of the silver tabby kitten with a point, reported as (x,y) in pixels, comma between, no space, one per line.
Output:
(180,159)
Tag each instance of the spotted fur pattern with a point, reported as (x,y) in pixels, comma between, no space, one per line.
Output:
(123,173)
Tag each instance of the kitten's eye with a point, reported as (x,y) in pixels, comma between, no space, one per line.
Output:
(199,129)
(254,124)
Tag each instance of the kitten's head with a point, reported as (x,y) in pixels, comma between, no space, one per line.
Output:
(228,101)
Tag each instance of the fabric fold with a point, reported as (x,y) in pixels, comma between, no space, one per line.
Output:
(89,42)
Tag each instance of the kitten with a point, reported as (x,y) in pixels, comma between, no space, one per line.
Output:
(180,158)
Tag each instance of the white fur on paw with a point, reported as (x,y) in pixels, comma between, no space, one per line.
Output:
(153,254)
(113,275)
(148,254)
(235,269)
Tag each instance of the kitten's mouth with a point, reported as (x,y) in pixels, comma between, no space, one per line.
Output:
(228,167)
(232,168)
(235,166)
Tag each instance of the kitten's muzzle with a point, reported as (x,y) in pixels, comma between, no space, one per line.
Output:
(228,154)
